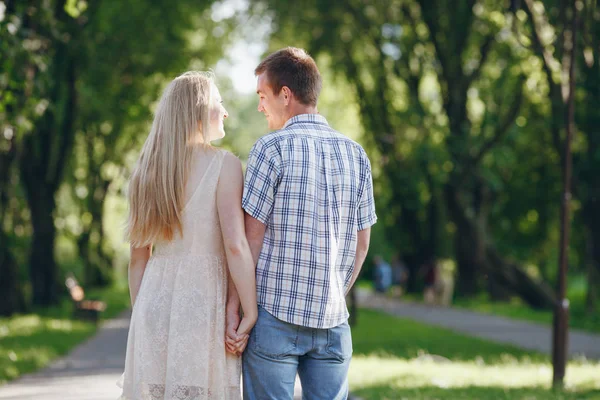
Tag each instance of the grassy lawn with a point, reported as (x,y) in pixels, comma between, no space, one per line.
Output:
(392,360)
(29,342)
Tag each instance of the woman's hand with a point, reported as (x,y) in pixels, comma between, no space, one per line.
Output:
(234,343)
(247,324)
(243,333)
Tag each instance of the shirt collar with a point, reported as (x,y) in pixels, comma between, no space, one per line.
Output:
(310,118)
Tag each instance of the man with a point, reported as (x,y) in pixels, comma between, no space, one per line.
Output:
(309,206)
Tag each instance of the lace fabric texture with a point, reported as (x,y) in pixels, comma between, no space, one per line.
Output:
(175,347)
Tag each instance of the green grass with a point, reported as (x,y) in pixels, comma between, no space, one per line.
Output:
(30,341)
(392,360)
(364,284)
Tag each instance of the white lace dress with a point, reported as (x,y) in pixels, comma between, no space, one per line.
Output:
(175,348)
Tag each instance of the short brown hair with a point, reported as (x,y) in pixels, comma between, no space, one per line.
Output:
(294,68)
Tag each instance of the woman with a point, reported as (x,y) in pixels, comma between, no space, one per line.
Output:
(185,201)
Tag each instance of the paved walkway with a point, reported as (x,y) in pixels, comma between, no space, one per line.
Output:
(527,335)
(90,372)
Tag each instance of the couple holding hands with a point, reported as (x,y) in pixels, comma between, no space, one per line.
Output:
(234,275)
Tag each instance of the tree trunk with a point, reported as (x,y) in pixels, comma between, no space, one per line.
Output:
(13,300)
(496,289)
(42,265)
(476,258)
(97,263)
(469,246)
(537,294)
(414,258)
(45,153)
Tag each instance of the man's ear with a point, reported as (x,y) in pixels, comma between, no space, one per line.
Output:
(287,94)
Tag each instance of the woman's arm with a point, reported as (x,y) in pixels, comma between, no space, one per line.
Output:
(239,258)
(235,344)
(139,257)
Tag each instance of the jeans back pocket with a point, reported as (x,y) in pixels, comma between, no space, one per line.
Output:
(273,337)
(339,342)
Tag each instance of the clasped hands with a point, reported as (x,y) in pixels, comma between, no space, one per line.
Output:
(237,331)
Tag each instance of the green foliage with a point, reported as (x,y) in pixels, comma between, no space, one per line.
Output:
(140,50)
(454,102)
(461,123)
(245,124)
(79,81)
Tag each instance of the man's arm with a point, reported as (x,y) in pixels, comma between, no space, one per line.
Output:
(362,248)
(255,234)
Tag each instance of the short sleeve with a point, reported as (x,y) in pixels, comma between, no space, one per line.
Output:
(366,207)
(262,172)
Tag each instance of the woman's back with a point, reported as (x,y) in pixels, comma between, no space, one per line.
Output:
(201,234)
(176,344)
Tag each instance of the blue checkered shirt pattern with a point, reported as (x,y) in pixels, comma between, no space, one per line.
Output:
(312,188)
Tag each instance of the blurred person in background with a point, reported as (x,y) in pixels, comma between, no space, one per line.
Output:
(382,274)
(400,275)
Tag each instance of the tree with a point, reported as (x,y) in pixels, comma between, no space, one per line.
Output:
(116,99)
(93,65)
(24,54)
(548,23)
(436,105)
(587,164)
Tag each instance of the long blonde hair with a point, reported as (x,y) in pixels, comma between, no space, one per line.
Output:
(157,184)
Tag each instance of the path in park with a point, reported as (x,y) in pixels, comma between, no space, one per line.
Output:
(91,370)
(527,335)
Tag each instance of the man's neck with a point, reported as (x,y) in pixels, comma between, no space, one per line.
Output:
(298,109)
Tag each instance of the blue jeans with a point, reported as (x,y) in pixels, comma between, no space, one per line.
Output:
(278,350)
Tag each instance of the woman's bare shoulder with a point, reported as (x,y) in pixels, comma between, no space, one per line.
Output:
(231,163)
(231,171)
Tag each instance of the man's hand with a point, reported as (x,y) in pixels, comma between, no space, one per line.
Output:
(244,329)
(234,343)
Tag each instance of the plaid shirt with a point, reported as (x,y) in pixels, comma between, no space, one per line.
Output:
(312,188)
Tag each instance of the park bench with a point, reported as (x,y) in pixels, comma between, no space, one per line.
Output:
(84,309)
